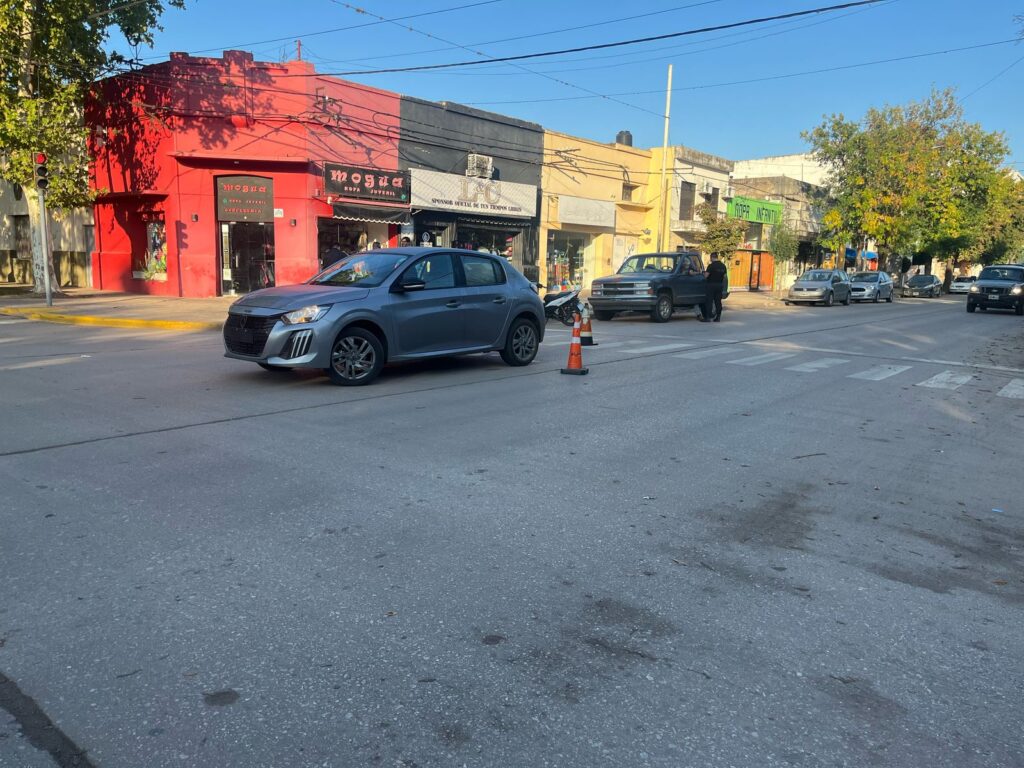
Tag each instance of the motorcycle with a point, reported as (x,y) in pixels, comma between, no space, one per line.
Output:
(561,305)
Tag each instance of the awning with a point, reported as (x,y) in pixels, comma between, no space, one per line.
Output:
(377,214)
(477,221)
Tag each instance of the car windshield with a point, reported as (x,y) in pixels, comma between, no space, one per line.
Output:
(964,279)
(816,276)
(865,277)
(1002,273)
(921,280)
(648,263)
(367,269)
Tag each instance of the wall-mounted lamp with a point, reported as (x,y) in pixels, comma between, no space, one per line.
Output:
(195,217)
(646,231)
(294,222)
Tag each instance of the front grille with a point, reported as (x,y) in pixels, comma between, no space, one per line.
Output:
(993,289)
(247,335)
(297,344)
(623,289)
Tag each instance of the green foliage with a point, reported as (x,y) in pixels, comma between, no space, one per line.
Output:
(722,235)
(49,53)
(784,244)
(912,177)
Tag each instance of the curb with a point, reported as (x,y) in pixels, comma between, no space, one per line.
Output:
(111,322)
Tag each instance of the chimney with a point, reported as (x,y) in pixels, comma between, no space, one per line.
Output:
(624,137)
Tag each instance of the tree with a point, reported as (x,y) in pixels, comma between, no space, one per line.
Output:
(909,177)
(50,51)
(784,246)
(722,235)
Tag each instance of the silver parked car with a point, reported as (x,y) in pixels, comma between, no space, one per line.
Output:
(962,284)
(871,286)
(392,304)
(824,286)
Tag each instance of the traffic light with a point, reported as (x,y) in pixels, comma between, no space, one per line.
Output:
(42,174)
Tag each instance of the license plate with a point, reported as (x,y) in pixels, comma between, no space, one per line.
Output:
(993,297)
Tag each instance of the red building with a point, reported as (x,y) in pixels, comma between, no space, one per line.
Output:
(224,175)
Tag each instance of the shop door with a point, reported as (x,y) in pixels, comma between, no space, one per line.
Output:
(247,256)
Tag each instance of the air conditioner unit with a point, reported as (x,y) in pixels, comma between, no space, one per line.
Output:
(706,188)
(481,166)
(728,194)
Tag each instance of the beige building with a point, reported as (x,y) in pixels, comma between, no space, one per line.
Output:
(594,203)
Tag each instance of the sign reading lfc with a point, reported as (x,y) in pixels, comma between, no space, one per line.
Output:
(245,198)
(470,194)
(366,183)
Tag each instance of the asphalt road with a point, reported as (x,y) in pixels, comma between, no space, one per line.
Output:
(793,538)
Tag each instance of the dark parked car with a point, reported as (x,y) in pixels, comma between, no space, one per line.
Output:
(656,283)
(923,285)
(388,305)
(1000,286)
(871,286)
(825,286)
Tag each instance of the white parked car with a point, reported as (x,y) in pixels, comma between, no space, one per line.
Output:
(962,284)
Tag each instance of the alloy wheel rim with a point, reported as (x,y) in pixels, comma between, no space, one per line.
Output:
(664,308)
(524,341)
(353,358)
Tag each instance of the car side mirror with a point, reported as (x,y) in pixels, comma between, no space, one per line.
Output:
(405,286)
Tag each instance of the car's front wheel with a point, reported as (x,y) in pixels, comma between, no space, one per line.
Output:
(662,310)
(829,300)
(357,358)
(521,344)
(1019,309)
(970,306)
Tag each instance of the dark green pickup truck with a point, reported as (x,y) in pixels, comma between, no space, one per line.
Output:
(656,283)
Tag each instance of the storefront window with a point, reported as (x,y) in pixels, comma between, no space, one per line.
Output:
(497,242)
(567,259)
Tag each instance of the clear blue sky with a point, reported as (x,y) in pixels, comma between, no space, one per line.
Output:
(737,121)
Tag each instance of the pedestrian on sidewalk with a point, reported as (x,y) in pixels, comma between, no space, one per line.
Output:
(714,283)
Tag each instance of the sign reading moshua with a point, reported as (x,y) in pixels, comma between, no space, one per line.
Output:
(245,198)
(759,211)
(366,183)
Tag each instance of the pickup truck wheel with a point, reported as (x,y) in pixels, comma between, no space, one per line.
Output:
(603,314)
(970,306)
(662,310)
(1019,309)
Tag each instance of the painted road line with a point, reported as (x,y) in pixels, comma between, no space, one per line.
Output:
(698,354)
(880,372)
(945,380)
(1014,389)
(817,365)
(658,348)
(771,357)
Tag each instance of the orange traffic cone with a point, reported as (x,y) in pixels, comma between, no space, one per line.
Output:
(575,365)
(586,334)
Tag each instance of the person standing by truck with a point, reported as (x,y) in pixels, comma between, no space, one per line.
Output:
(714,277)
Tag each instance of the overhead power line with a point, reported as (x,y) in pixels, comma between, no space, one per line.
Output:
(603,46)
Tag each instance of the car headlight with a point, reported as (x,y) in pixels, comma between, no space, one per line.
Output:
(595,290)
(1017,290)
(974,289)
(306,315)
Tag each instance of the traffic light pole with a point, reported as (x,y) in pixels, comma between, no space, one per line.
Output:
(44,235)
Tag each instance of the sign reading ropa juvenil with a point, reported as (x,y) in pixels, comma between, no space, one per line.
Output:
(759,211)
(245,198)
(366,183)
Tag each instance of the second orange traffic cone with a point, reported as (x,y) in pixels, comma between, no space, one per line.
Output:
(586,332)
(575,365)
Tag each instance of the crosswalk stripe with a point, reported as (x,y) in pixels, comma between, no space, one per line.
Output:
(817,365)
(1014,389)
(945,380)
(771,357)
(880,372)
(697,354)
(658,348)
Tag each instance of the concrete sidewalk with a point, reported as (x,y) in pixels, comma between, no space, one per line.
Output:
(84,306)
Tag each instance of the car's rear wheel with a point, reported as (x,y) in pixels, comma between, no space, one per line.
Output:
(357,358)
(846,301)
(521,344)
(603,314)
(890,297)
(829,300)
(662,310)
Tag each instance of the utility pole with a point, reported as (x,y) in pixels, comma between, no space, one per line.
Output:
(665,209)
(298,47)
(44,237)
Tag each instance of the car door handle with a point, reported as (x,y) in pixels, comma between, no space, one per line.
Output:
(452,304)
(498,299)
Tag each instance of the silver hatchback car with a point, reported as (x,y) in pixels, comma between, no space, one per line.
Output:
(825,286)
(388,305)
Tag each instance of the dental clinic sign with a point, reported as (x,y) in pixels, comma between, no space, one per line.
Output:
(469,194)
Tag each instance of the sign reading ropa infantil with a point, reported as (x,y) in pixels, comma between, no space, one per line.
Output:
(366,183)
(469,194)
(245,198)
(760,211)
